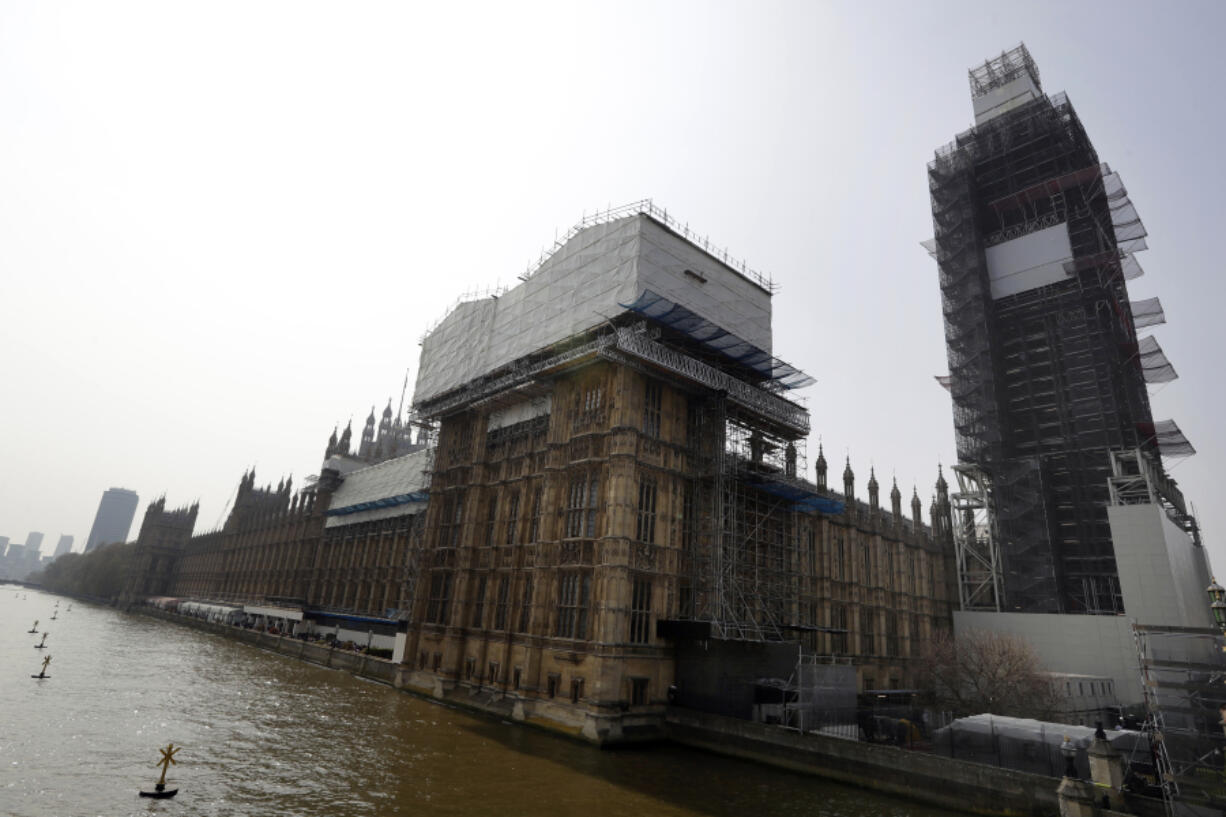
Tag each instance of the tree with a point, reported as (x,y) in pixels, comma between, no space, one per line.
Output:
(99,573)
(985,672)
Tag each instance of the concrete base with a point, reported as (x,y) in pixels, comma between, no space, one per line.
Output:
(1077,798)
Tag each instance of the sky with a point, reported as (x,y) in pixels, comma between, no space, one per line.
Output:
(224,226)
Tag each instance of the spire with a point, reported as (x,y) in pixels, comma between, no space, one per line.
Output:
(917,508)
(896,502)
(331,444)
(367,447)
(942,486)
(346,436)
(849,480)
(873,488)
(821,467)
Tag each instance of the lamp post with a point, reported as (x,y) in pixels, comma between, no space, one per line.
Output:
(1217,603)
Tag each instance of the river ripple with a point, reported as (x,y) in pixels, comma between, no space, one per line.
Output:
(263,734)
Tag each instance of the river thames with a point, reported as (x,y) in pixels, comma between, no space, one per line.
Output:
(262,734)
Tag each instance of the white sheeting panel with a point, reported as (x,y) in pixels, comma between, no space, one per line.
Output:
(520,412)
(728,300)
(1034,260)
(1005,98)
(578,288)
(273,612)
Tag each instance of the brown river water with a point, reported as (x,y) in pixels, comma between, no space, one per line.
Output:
(262,734)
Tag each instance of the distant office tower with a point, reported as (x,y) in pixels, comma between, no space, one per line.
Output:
(34,542)
(1035,237)
(114,518)
(64,546)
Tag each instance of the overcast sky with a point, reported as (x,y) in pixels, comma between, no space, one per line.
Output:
(224,226)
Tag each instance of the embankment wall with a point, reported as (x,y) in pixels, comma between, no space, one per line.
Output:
(932,779)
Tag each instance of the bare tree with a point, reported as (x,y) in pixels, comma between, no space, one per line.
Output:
(985,672)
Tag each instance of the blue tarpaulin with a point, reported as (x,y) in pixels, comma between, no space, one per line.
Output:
(690,323)
(386,502)
(802,499)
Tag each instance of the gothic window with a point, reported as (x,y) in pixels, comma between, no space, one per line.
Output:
(891,635)
(479,601)
(512,517)
(525,608)
(440,597)
(590,406)
(640,612)
(647,510)
(502,603)
(868,565)
(868,641)
(534,534)
(491,516)
(651,409)
(688,517)
(449,524)
(838,621)
(574,598)
(581,506)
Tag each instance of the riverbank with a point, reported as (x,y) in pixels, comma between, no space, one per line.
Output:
(924,778)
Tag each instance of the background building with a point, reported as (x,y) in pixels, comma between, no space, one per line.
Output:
(113,519)
(63,546)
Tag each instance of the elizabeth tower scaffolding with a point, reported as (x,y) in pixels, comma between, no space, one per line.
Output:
(1035,238)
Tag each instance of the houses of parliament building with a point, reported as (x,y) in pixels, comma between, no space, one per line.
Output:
(599,505)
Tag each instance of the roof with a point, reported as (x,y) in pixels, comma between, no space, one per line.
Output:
(391,488)
(714,337)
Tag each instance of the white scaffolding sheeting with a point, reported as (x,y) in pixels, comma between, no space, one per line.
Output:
(579,288)
(1154,365)
(1129,230)
(1147,313)
(391,488)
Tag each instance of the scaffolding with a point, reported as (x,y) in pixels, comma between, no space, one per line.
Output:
(1048,380)
(1002,70)
(1181,674)
(976,550)
(740,541)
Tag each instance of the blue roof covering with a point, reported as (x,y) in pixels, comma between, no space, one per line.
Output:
(802,498)
(386,502)
(690,323)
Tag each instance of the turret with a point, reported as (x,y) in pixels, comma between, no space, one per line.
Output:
(342,447)
(873,490)
(331,444)
(849,481)
(896,503)
(821,468)
(917,509)
(367,446)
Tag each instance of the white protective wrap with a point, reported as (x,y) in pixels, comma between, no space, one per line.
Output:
(1034,260)
(581,286)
